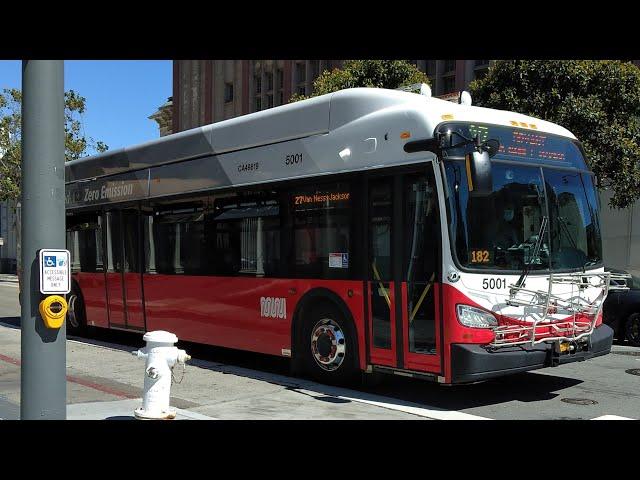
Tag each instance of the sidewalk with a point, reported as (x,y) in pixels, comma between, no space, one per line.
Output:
(89,397)
(104,382)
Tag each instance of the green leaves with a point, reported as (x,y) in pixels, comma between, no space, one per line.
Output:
(599,101)
(366,73)
(77,144)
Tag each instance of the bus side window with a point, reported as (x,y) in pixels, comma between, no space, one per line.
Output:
(175,239)
(84,242)
(322,231)
(245,234)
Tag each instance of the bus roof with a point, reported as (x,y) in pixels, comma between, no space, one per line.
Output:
(315,116)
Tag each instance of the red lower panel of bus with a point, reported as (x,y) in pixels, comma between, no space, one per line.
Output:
(92,286)
(454,331)
(420,361)
(133,295)
(227,311)
(115,300)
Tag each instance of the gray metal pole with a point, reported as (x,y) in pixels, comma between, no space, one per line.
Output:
(43,389)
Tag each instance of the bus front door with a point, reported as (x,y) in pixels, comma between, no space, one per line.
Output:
(381,287)
(123,274)
(403,253)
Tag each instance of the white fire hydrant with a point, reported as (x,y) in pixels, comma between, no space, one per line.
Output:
(161,355)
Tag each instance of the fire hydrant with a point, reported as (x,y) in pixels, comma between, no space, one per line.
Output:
(161,355)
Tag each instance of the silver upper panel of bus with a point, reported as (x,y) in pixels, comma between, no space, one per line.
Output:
(349,130)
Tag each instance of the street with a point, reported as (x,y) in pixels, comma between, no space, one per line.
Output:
(225,384)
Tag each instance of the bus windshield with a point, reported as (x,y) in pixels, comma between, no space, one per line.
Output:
(500,231)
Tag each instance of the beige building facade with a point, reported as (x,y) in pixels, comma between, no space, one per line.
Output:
(208,91)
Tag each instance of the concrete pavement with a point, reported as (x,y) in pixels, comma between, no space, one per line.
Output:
(104,382)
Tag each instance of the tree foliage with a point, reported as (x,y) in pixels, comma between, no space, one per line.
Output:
(598,101)
(366,73)
(76,143)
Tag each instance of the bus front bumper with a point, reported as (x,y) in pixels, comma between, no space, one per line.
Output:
(473,363)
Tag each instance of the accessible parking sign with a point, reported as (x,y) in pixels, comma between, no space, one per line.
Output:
(55,271)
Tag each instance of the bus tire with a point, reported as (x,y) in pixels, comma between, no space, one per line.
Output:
(328,345)
(76,315)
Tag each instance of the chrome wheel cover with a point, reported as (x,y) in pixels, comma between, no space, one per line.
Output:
(328,344)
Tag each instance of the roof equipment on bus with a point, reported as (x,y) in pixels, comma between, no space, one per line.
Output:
(421,88)
(465,98)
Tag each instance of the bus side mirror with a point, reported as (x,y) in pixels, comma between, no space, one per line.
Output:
(479,173)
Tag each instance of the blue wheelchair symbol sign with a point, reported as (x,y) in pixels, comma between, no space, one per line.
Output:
(49,261)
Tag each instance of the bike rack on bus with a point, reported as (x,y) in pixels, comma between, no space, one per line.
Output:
(545,329)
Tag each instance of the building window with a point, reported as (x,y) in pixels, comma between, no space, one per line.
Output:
(431,68)
(280,97)
(257,81)
(315,69)
(449,84)
(280,78)
(482,63)
(269,78)
(301,72)
(480,74)
(258,104)
(228,92)
(302,90)
(269,100)
(449,65)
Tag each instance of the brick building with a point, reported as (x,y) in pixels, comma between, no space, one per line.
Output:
(207,91)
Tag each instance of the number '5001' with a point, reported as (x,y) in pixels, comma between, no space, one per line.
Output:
(492,283)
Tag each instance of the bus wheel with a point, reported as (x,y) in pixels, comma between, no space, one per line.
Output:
(328,346)
(632,329)
(75,314)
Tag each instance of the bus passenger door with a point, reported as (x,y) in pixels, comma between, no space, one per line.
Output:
(403,258)
(132,269)
(380,285)
(421,325)
(115,287)
(123,274)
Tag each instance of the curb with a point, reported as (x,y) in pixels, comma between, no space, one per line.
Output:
(624,350)
(631,354)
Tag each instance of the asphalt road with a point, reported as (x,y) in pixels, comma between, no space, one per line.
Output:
(247,385)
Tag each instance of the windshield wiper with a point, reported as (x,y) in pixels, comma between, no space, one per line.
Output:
(535,255)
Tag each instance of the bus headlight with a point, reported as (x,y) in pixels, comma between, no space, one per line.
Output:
(475,318)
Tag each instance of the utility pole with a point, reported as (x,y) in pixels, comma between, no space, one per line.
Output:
(43,389)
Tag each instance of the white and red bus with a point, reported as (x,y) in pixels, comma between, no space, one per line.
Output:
(363,230)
